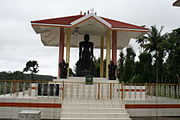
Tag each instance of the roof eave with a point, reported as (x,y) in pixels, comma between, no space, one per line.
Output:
(50,25)
(129,29)
(69,26)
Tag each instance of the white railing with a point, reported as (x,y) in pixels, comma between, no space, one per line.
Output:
(93,90)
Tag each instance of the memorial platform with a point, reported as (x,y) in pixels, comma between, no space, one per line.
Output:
(104,99)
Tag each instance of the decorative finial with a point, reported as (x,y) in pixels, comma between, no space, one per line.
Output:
(92,10)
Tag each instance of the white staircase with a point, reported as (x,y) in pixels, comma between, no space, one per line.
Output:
(91,109)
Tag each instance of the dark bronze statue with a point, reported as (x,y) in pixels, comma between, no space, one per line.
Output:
(86,49)
(63,67)
(85,64)
(112,71)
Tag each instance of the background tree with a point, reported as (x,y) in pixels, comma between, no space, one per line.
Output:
(129,68)
(144,69)
(97,66)
(17,75)
(172,64)
(120,67)
(31,66)
(71,73)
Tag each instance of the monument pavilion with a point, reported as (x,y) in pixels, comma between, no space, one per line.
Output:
(105,33)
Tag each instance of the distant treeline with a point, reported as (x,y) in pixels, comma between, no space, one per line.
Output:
(18,75)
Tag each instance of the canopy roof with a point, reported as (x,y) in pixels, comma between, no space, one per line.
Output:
(85,24)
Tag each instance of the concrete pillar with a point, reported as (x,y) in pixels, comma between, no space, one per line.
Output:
(61,49)
(108,44)
(101,57)
(68,41)
(114,47)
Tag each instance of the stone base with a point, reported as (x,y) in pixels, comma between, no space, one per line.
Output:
(29,115)
(83,79)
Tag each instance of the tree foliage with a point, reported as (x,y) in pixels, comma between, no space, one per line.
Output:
(129,68)
(18,75)
(158,63)
(32,67)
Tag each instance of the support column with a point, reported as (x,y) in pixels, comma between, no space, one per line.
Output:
(108,44)
(68,39)
(114,47)
(61,49)
(101,58)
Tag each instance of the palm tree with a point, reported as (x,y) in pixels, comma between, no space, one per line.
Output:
(152,42)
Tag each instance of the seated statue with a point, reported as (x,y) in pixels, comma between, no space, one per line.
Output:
(85,64)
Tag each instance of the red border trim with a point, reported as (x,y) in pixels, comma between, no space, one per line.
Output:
(43,105)
(131,90)
(33,88)
(151,106)
(59,105)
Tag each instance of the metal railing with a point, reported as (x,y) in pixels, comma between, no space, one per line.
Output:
(164,90)
(93,90)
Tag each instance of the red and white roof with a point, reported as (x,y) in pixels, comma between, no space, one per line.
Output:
(92,24)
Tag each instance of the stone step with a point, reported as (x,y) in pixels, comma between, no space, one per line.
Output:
(95,118)
(91,101)
(95,115)
(94,110)
(92,106)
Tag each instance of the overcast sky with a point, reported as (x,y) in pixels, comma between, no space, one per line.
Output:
(19,43)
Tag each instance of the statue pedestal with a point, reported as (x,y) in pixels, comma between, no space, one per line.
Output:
(83,79)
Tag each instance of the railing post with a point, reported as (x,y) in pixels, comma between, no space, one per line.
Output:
(54,89)
(140,92)
(135,93)
(129,91)
(48,90)
(98,95)
(63,91)
(95,90)
(122,92)
(42,89)
(5,89)
(177,93)
(110,91)
(17,89)
(11,86)
(147,91)
(76,90)
(24,88)
(30,89)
